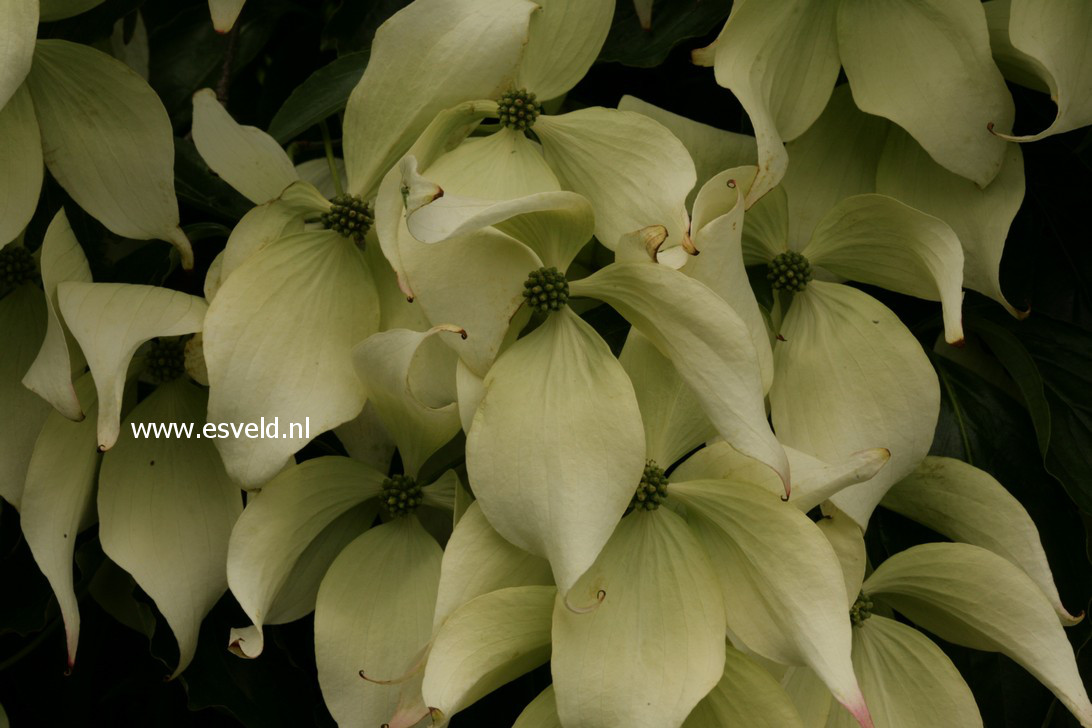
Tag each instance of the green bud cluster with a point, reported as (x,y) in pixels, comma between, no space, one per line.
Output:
(861,610)
(166,360)
(546,289)
(518,109)
(350,216)
(789,271)
(401,495)
(652,490)
(16,265)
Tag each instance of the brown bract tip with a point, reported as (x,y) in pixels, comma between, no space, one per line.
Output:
(653,237)
(599,597)
(688,244)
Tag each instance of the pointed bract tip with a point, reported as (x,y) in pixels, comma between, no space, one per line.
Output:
(688,244)
(450,328)
(1067,619)
(653,237)
(404,286)
(599,597)
(406,717)
(414,669)
(704,56)
(1007,137)
(374,681)
(859,710)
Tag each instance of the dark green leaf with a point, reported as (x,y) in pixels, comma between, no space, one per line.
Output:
(982,423)
(1014,356)
(352,26)
(187,55)
(21,576)
(95,24)
(1051,363)
(673,22)
(267,692)
(113,589)
(610,324)
(198,186)
(320,96)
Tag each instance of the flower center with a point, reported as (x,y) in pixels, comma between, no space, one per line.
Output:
(166,360)
(16,265)
(401,495)
(349,215)
(546,289)
(652,490)
(518,109)
(861,610)
(789,271)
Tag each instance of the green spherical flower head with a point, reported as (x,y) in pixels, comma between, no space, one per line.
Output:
(789,271)
(518,109)
(861,610)
(546,289)
(166,360)
(16,265)
(349,216)
(652,490)
(401,495)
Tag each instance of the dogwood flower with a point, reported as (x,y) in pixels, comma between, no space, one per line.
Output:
(306,542)
(275,344)
(847,374)
(141,483)
(990,590)
(692,560)
(782,63)
(513,255)
(94,122)
(632,170)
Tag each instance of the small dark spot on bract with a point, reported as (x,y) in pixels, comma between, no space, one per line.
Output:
(65,535)
(875,321)
(152,462)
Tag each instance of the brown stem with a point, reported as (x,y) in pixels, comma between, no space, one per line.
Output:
(229,60)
